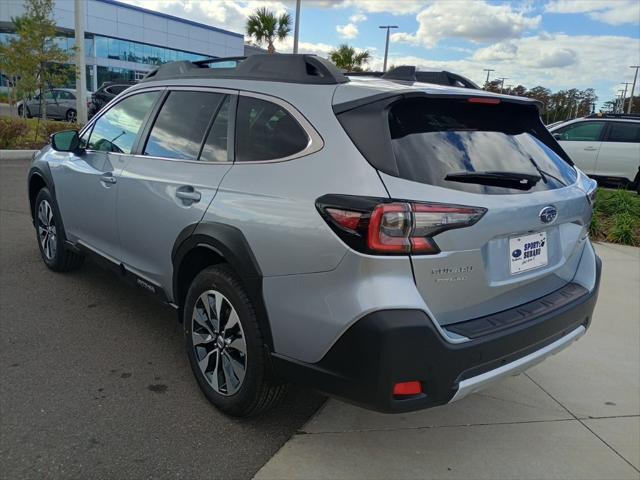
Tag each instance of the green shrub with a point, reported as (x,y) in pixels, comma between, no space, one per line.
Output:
(616,217)
(29,134)
(624,229)
(11,131)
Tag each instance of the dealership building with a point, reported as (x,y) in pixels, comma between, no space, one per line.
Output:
(124,42)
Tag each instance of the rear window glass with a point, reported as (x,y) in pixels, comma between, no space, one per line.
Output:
(265,131)
(624,132)
(434,138)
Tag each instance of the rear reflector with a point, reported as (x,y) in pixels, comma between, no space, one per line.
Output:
(404,389)
(485,100)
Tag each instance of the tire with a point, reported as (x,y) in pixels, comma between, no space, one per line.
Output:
(51,237)
(21,109)
(71,116)
(215,349)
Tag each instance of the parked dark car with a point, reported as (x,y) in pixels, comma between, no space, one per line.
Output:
(104,94)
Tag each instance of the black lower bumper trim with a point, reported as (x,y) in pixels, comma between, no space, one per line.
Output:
(391,346)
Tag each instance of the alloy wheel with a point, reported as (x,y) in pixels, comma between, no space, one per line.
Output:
(47,230)
(72,116)
(219,342)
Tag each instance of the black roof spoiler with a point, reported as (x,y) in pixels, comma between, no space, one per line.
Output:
(339,108)
(409,73)
(291,68)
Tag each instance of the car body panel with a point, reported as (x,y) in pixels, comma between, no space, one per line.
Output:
(150,214)
(603,157)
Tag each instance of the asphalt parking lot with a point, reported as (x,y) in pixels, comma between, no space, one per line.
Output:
(94,379)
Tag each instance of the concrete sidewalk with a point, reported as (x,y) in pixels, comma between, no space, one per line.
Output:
(576,415)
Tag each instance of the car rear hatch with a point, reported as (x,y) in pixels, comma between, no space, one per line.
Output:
(492,154)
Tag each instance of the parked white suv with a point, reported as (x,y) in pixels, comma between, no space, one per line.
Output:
(604,146)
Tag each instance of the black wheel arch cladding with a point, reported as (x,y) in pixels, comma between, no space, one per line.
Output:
(230,244)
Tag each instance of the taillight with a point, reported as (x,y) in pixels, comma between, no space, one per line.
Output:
(382,226)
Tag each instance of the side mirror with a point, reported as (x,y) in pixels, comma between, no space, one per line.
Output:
(557,136)
(66,141)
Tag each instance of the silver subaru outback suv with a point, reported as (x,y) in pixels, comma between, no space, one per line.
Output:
(393,243)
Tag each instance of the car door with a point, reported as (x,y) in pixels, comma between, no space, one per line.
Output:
(34,105)
(87,184)
(168,185)
(582,141)
(53,104)
(620,151)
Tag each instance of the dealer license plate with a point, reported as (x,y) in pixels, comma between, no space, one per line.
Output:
(527,252)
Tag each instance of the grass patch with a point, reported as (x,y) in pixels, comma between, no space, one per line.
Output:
(616,217)
(30,133)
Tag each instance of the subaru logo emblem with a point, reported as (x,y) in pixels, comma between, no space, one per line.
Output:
(548,214)
(516,253)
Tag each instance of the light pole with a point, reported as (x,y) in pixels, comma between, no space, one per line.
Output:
(502,79)
(621,106)
(488,70)
(633,86)
(81,69)
(296,31)
(386,46)
(624,95)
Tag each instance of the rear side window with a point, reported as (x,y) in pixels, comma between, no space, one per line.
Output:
(215,148)
(265,131)
(179,129)
(624,132)
(581,132)
(117,130)
(433,138)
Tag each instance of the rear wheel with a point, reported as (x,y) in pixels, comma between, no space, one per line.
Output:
(51,236)
(71,116)
(225,346)
(21,111)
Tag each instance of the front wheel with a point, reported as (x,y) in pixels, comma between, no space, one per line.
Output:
(51,236)
(225,346)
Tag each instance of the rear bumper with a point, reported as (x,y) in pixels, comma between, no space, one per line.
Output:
(391,346)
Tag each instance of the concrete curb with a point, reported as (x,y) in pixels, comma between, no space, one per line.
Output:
(17,154)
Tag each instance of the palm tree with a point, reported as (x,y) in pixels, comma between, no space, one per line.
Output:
(265,27)
(347,58)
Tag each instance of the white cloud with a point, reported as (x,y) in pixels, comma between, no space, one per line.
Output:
(558,62)
(350,30)
(358,17)
(395,7)
(613,12)
(496,52)
(555,58)
(228,14)
(477,21)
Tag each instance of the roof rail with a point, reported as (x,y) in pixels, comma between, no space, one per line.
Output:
(628,116)
(291,68)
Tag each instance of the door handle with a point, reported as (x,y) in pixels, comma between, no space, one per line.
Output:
(108,178)
(591,149)
(188,194)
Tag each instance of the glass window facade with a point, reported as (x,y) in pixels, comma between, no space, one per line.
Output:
(107,48)
(136,52)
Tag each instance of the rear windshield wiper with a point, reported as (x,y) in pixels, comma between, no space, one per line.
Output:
(544,174)
(519,181)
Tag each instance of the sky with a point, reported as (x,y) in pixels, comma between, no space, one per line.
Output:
(558,44)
